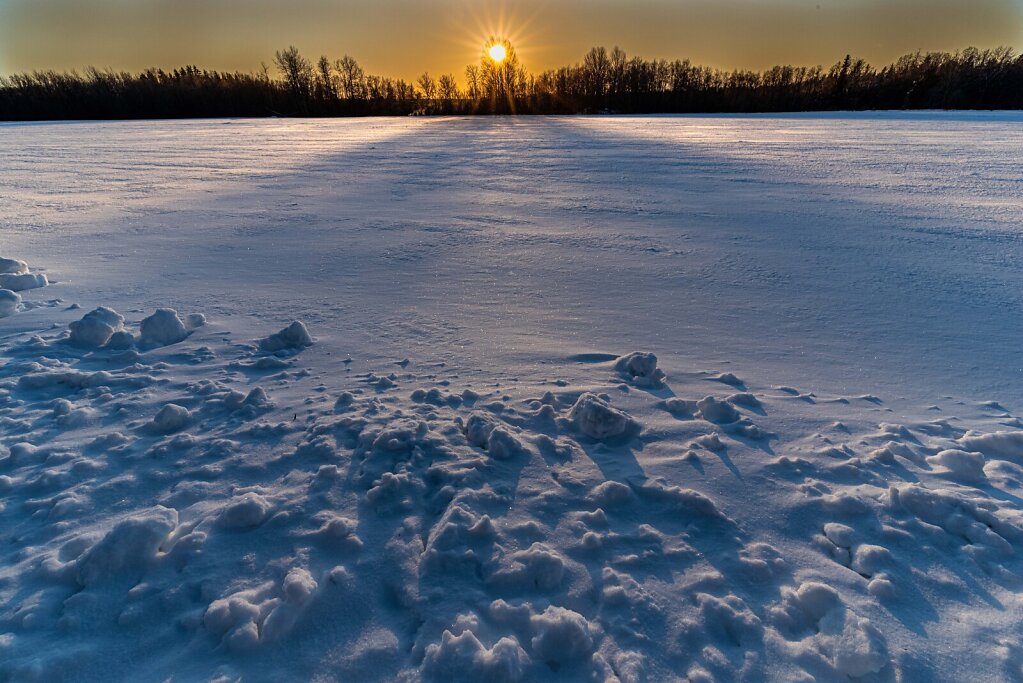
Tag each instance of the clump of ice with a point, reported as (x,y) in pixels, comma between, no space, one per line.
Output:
(120,340)
(719,412)
(12,266)
(465,658)
(537,567)
(246,511)
(641,368)
(23,281)
(294,336)
(964,466)
(96,327)
(9,302)
(561,635)
(612,494)
(854,647)
(597,419)
(195,320)
(162,328)
(132,542)
(1007,445)
(171,418)
(497,440)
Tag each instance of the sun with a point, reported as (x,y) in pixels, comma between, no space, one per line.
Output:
(497,52)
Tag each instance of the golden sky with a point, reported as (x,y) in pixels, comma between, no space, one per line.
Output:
(402,38)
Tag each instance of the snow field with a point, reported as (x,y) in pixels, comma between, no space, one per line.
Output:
(173,497)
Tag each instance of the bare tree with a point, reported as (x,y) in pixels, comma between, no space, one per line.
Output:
(325,88)
(472,78)
(448,88)
(351,79)
(297,71)
(428,86)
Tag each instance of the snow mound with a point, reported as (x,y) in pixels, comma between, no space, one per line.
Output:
(1008,445)
(717,411)
(9,302)
(964,466)
(12,266)
(536,568)
(248,618)
(612,494)
(463,658)
(162,328)
(244,512)
(496,440)
(130,544)
(23,281)
(170,418)
(294,336)
(641,368)
(815,613)
(561,636)
(597,419)
(96,327)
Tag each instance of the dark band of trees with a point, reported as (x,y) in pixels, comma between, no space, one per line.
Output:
(605,82)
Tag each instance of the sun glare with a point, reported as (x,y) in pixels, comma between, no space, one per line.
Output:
(497,52)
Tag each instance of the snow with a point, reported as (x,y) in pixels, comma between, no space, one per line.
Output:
(294,336)
(9,302)
(162,328)
(19,283)
(96,327)
(611,398)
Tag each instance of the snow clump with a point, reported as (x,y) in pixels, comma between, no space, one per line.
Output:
(561,635)
(597,419)
(171,418)
(132,543)
(8,302)
(96,327)
(294,336)
(162,328)
(465,658)
(641,368)
(12,266)
(23,281)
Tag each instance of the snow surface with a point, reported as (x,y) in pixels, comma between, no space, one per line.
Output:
(654,398)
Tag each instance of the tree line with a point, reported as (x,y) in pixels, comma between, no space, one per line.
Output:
(606,81)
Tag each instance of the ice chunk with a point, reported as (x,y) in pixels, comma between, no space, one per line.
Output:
(171,418)
(1002,444)
(12,266)
(597,419)
(612,494)
(498,441)
(464,658)
(162,328)
(132,543)
(96,327)
(249,510)
(538,567)
(964,466)
(294,336)
(19,283)
(561,635)
(8,302)
(719,412)
(641,368)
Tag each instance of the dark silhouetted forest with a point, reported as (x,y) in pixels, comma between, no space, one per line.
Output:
(607,81)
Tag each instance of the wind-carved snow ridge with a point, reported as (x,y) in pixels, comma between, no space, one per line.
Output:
(173,501)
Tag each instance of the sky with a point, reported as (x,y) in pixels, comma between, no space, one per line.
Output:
(403,38)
